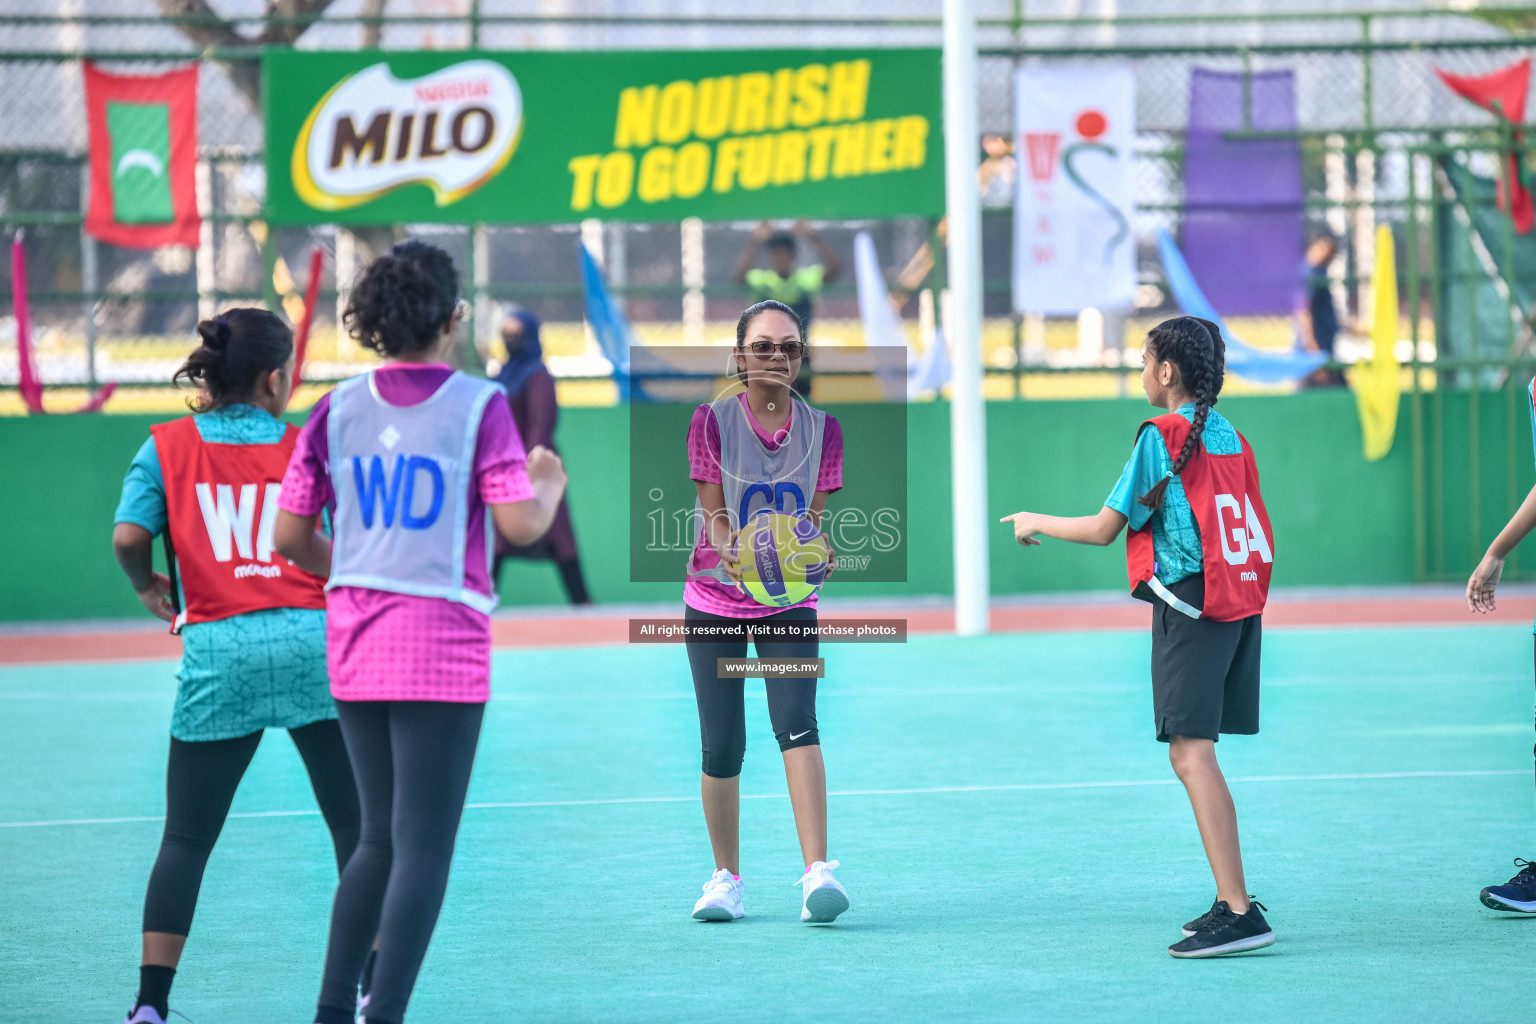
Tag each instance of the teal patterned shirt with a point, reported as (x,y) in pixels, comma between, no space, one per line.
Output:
(249,672)
(1175,533)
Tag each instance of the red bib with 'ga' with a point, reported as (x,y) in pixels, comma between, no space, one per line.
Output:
(221,501)
(1237,553)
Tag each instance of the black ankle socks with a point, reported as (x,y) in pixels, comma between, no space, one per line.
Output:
(155,987)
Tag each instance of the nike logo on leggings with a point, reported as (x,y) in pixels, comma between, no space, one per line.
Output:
(796,735)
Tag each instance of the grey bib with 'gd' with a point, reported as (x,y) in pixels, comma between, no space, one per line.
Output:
(755,478)
(402,476)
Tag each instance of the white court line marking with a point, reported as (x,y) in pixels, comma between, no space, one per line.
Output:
(917,791)
(1024,689)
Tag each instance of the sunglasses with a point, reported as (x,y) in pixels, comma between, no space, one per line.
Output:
(790,349)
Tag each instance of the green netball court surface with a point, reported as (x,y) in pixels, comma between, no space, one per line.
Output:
(1012,838)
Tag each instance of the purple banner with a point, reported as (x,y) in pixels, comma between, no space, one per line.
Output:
(1244,216)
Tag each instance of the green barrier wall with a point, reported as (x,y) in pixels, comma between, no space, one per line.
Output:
(1337,520)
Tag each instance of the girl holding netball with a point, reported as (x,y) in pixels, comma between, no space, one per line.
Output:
(420,462)
(1199,550)
(252,624)
(756,448)
(1518,895)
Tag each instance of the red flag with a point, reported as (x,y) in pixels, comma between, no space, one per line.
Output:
(1503,93)
(143,150)
(1506,87)
(31,387)
(311,296)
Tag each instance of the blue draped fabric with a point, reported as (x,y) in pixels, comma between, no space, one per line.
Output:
(613,333)
(1243,360)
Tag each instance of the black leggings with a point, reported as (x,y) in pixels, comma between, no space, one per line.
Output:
(722,702)
(412,760)
(200,783)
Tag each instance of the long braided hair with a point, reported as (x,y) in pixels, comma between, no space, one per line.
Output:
(1197,348)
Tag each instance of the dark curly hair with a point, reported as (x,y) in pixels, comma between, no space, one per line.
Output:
(239,347)
(405,298)
(1197,348)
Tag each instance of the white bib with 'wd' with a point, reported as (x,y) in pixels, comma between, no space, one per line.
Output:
(402,476)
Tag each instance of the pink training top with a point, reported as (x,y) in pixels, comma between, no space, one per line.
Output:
(710,595)
(386,646)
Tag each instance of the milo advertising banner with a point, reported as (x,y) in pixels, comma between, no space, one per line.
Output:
(387,137)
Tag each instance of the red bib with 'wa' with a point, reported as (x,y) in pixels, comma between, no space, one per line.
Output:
(1237,553)
(221,500)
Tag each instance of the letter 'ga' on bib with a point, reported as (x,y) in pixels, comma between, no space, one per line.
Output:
(221,509)
(1237,547)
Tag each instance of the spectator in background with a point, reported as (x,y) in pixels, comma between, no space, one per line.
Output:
(998,172)
(996,178)
(1317,318)
(531,393)
(796,287)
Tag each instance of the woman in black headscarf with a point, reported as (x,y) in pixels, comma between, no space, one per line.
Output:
(531,393)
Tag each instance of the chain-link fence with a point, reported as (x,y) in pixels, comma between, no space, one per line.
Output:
(1365,88)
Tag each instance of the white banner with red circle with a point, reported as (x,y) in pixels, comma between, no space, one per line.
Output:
(1074,248)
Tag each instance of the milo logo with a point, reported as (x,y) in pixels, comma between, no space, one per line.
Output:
(452,130)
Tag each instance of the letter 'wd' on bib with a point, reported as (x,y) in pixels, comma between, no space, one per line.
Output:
(403,475)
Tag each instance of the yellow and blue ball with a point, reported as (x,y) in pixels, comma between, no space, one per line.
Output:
(783,558)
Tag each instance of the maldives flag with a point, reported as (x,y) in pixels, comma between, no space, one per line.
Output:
(143,155)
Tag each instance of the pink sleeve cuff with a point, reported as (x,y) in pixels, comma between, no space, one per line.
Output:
(501,464)
(830,476)
(506,484)
(302,501)
(704,447)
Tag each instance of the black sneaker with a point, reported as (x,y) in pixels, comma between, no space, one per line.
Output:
(1518,895)
(1226,932)
(1199,922)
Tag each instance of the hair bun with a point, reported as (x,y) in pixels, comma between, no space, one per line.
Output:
(237,347)
(214,333)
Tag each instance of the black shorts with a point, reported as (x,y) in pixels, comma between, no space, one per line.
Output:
(722,702)
(1205,675)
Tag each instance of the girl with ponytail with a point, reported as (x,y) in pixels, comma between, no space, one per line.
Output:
(252,623)
(1200,550)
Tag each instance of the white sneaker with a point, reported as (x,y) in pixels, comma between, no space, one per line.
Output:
(145,1015)
(825,898)
(721,900)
